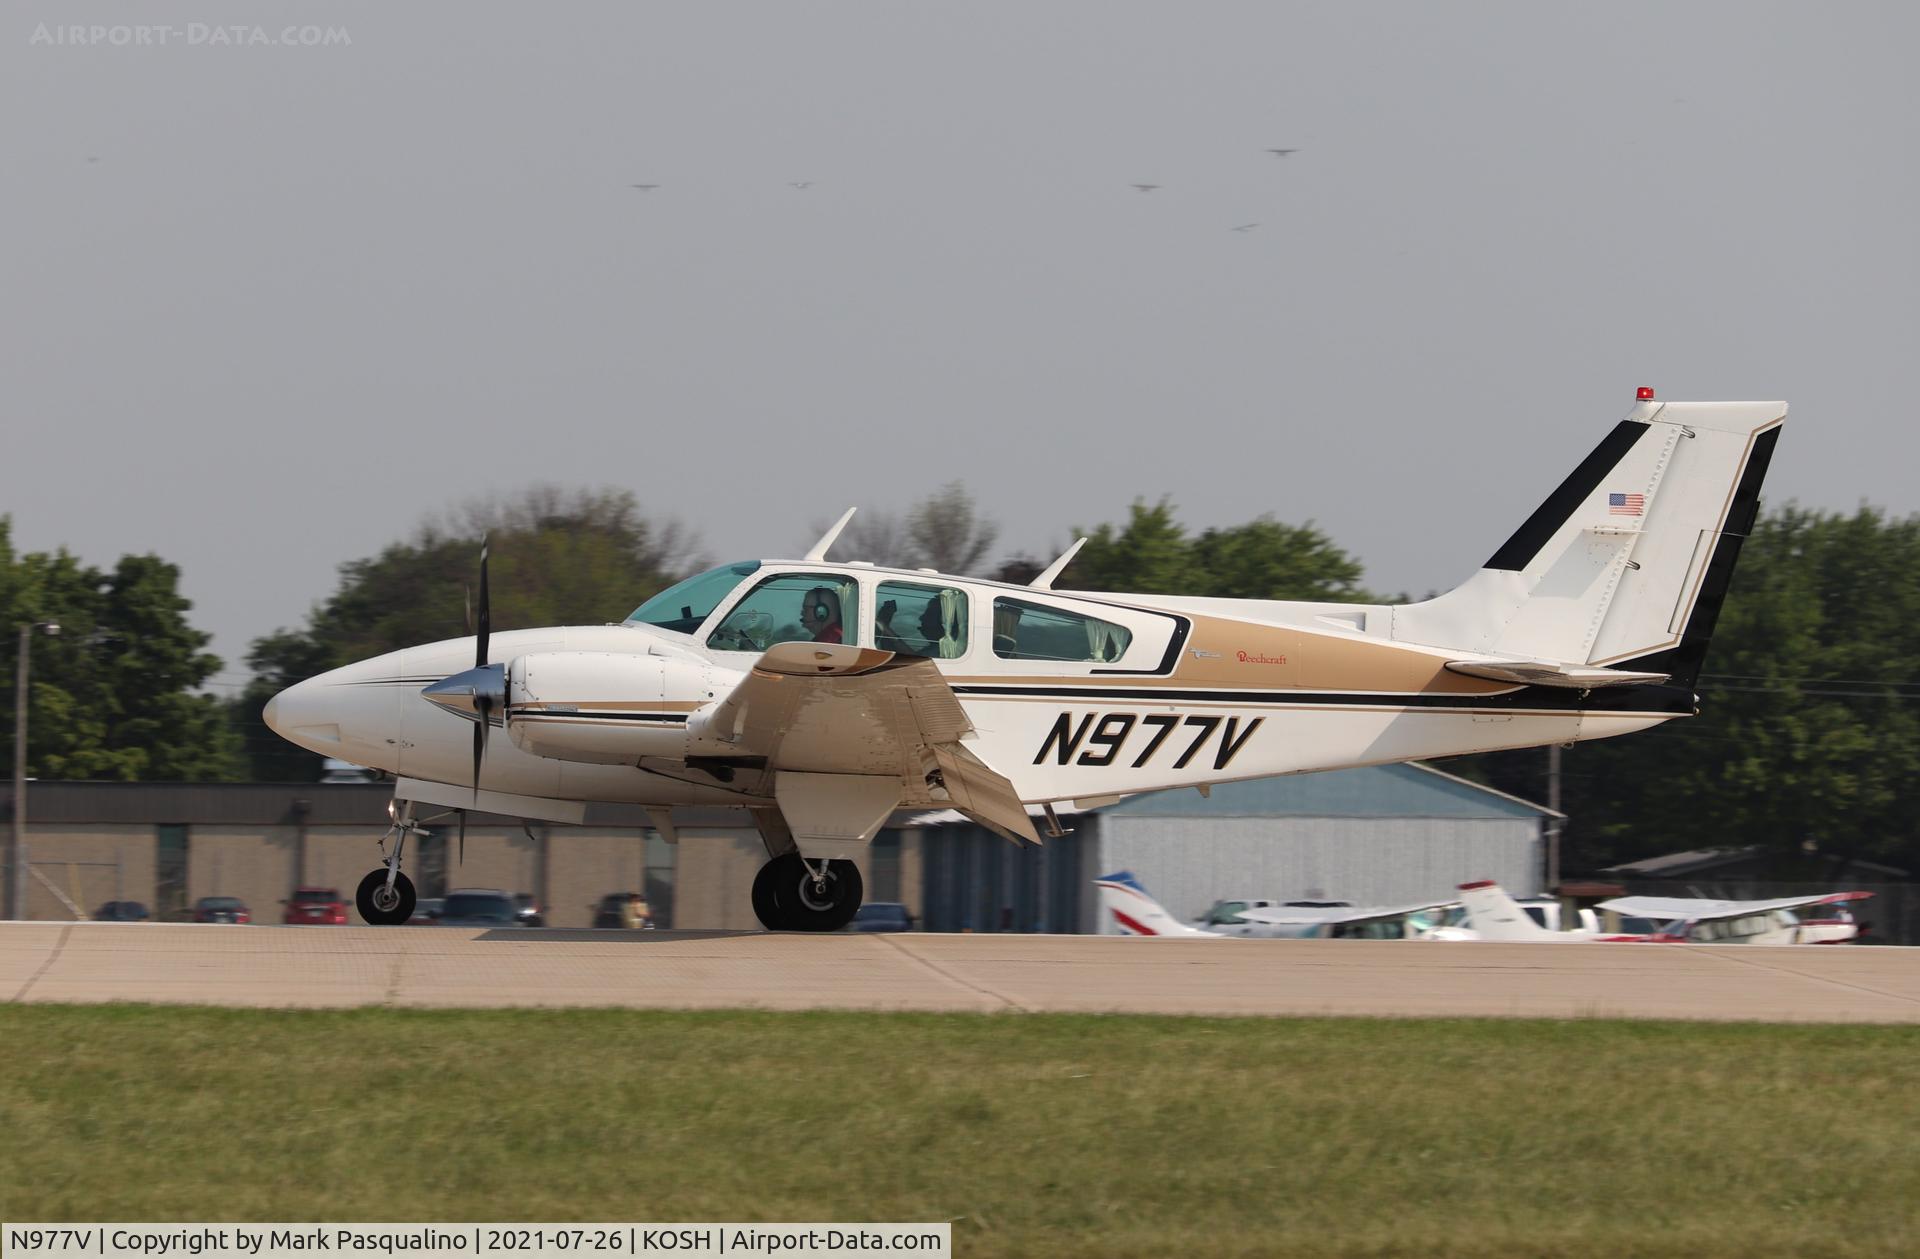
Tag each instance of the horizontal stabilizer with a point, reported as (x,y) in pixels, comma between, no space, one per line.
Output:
(1552,673)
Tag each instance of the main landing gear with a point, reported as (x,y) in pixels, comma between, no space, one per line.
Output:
(385,897)
(792,893)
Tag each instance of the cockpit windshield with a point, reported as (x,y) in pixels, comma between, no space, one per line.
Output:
(682,607)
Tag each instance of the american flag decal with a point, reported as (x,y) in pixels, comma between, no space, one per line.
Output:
(1626,504)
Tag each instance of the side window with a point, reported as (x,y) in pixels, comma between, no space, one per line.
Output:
(1226,914)
(1028,631)
(793,607)
(921,620)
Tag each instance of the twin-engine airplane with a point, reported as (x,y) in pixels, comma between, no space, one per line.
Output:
(821,697)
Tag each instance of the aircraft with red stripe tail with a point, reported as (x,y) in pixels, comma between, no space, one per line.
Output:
(822,696)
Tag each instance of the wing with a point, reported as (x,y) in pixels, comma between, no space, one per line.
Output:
(1696,909)
(856,726)
(1281,916)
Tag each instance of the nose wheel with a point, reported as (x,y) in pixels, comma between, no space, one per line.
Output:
(793,894)
(385,904)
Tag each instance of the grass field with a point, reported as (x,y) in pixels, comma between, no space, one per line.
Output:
(1036,1134)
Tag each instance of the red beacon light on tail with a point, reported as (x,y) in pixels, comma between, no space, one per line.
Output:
(1643,394)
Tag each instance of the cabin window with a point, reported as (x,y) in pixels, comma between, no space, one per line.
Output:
(1030,631)
(921,620)
(791,608)
(684,606)
(1226,914)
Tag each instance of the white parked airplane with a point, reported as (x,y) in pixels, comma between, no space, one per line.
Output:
(1134,912)
(1494,915)
(1702,921)
(823,696)
(1667,919)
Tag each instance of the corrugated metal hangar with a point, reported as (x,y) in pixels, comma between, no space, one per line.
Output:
(1383,835)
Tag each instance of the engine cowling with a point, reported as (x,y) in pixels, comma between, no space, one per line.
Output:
(607,708)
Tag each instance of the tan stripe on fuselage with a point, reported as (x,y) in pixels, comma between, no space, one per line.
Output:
(1221,652)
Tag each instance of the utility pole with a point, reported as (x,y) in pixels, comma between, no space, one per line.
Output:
(1553,823)
(16,874)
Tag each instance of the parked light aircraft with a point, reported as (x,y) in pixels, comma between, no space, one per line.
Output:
(1703,921)
(1135,912)
(1667,919)
(822,696)
(1494,915)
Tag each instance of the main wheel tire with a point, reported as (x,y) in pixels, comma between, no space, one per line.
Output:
(382,906)
(766,906)
(799,904)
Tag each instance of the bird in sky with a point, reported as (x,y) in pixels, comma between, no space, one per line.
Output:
(1246,227)
(801,184)
(644,187)
(1146,187)
(1282,152)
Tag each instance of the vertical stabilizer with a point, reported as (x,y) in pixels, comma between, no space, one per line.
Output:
(1495,915)
(1627,562)
(1128,907)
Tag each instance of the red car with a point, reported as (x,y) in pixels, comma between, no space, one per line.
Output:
(310,906)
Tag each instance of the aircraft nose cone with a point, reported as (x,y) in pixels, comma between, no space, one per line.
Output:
(303,714)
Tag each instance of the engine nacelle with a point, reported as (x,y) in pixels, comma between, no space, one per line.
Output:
(607,708)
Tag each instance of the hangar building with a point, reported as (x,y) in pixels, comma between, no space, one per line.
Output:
(1383,835)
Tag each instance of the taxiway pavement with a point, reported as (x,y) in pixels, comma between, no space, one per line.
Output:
(453,967)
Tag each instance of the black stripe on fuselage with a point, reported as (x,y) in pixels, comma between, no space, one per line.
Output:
(1550,515)
(1670,700)
(675,719)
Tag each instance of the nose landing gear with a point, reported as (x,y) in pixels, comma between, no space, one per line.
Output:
(793,894)
(385,897)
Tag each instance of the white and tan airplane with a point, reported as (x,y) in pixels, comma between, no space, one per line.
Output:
(823,696)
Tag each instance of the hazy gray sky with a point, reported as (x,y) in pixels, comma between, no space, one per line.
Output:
(265,307)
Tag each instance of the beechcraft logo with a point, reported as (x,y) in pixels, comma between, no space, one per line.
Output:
(1626,504)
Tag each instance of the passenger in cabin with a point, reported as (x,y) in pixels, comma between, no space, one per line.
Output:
(820,614)
(928,642)
(1006,630)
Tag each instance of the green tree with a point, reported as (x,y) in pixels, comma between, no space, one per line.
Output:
(1262,559)
(114,694)
(556,558)
(1809,733)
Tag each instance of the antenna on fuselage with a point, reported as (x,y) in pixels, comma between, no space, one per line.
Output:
(1045,580)
(827,539)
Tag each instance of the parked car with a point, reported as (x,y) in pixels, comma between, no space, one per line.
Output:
(882,916)
(220,909)
(622,909)
(310,906)
(479,907)
(122,911)
(427,911)
(528,910)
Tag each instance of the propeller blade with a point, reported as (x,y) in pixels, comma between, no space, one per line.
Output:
(479,751)
(470,610)
(486,613)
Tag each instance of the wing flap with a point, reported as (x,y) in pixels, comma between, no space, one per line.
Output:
(816,710)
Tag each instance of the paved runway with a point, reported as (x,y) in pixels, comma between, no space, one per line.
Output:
(445,966)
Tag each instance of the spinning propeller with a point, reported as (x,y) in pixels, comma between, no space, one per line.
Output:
(477,694)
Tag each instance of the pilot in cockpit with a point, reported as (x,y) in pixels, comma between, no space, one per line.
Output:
(820,614)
